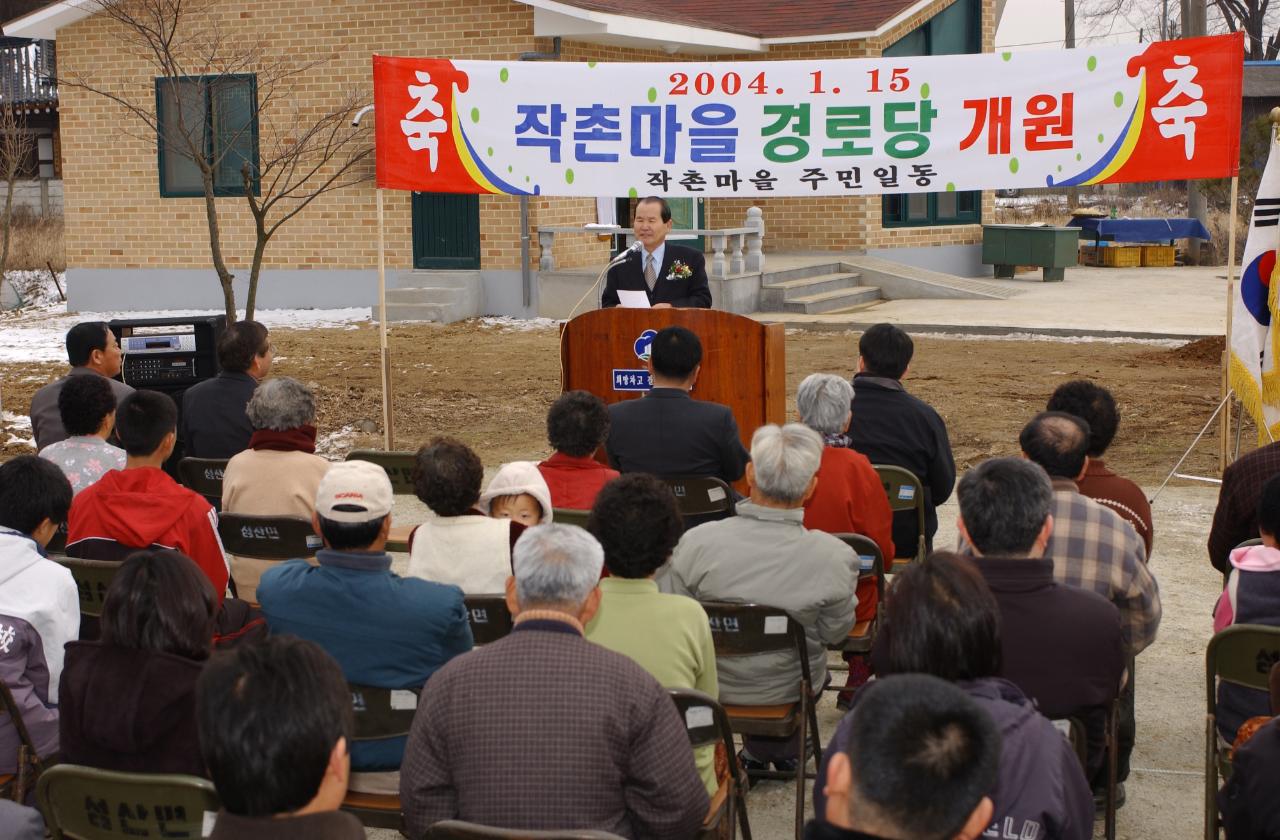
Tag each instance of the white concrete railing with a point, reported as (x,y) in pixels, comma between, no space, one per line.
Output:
(744,245)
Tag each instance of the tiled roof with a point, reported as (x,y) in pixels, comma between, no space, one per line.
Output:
(760,18)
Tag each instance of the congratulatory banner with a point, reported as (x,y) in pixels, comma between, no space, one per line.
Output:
(1143,112)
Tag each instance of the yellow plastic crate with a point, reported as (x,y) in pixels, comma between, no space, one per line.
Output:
(1089,255)
(1120,257)
(1160,256)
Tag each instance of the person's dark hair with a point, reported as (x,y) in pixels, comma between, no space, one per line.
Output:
(577,423)
(350,536)
(143,418)
(239,344)
(886,350)
(941,619)
(1094,405)
(1056,441)
(83,339)
(83,402)
(31,491)
(661,202)
(1004,503)
(636,520)
(447,476)
(159,600)
(269,715)
(675,352)
(1269,507)
(923,755)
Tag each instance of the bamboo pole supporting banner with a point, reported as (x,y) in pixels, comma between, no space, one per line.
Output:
(1224,451)
(384,355)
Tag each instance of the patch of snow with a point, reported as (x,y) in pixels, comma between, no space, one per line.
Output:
(335,445)
(39,335)
(19,428)
(508,324)
(21,421)
(14,440)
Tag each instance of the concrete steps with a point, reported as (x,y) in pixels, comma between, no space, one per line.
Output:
(441,296)
(814,289)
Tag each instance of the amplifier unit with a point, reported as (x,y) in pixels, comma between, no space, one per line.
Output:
(165,354)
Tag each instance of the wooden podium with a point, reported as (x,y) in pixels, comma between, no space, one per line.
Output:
(743,361)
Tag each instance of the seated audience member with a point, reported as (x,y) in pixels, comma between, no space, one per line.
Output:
(577,426)
(1251,596)
(1235,518)
(600,744)
(1094,548)
(18,822)
(128,701)
(88,411)
(1250,809)
(1061,645)
(1094,405)
(460,545)
(92,350)
(141,506)
(214,422)
(850,498)
(39,603)
(667,432)
(279,473)
(518,492)
(385,631)
(275,729)
(942,620)
(637,522)
(765,555)
(918,759)
(890,426)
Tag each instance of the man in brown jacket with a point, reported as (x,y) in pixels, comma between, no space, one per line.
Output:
(545,730)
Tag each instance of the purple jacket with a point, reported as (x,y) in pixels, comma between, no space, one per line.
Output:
(1040,792)
(25,672)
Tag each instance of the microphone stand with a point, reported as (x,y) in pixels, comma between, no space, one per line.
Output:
(618,260)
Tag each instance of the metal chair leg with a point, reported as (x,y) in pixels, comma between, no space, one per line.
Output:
(1210,779)
(1113,749)
(800,774)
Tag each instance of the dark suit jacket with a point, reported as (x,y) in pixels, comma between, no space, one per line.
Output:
(1236,517)
(545,730)
(692,293)
(668,433)
(214,424)
(46,420)
(892,427)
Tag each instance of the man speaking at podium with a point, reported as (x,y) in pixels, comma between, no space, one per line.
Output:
(671,275)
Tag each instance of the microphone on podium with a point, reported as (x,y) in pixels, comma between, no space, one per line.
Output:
(634,249)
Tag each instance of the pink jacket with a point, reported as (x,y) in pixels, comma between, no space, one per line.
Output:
(1251,558)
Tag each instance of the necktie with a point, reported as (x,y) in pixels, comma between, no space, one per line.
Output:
(650,273)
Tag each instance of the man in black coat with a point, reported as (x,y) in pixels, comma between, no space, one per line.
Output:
(668,433)
(214,423)
(672,275)
(892,427)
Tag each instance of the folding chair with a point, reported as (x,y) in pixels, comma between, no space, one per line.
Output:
(459,830)
(204,475)
(1242,654)
(268,537)
(489,616)
(93,578)
(1075,730)
(565,516)
(905,492)
(701,498)
(751,629)
(15,786)
(84,803)
(58,542)
(380,713)
(399,466)
(708,725)
(870,564)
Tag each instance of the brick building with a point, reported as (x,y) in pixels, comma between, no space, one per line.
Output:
(135,240)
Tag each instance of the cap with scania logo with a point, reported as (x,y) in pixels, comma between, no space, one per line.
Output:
(354,491)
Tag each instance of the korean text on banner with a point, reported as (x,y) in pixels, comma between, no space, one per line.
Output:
(1141,112)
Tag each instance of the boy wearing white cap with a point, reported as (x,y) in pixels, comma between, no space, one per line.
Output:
(385,631)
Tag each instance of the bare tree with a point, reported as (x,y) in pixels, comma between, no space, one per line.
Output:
(16,143)
(307,157)
(196,62)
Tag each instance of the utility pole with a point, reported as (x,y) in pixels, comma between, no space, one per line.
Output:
(1193,25)
(1069,41)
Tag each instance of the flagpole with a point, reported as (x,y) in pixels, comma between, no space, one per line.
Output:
(385,357)
(1224,451)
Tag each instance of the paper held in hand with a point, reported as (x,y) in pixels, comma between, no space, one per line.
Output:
(629,299)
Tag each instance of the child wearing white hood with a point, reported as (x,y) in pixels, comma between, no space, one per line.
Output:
(519,492)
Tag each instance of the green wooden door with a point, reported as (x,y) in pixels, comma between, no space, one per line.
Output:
(687,214)
(446,231)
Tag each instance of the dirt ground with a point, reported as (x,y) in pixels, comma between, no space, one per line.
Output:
(491,386)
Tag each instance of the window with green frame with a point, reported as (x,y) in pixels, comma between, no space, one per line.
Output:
(955,30)
(220,114)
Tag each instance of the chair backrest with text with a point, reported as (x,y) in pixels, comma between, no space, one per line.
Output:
(905,492)
(399,467)
(204,475)
(86,803)
(489,616)
(268,537)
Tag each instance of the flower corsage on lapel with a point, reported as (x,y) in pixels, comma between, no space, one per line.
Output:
(679,271)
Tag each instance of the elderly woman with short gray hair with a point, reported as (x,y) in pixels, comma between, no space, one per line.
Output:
(279,473)
(850,498)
